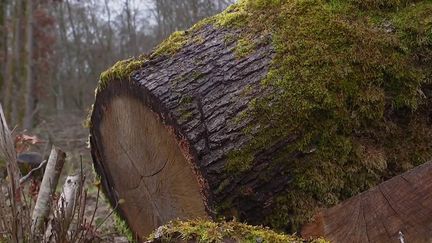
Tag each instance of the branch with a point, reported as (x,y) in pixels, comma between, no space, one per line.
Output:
(49,183)
(26,177)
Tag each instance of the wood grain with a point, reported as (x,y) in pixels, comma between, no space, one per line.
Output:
(399,207)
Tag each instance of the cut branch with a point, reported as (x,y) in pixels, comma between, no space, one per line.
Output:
(49,183)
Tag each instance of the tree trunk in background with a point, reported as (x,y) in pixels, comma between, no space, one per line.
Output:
(3,47)
(17,69)
(30,82)
(7,79)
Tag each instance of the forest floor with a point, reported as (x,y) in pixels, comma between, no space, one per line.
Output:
(67,132)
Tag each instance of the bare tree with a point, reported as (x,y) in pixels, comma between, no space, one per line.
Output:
(30,82)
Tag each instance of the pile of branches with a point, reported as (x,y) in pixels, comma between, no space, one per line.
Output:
(47,217)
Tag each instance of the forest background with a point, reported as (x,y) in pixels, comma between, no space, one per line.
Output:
(52,53)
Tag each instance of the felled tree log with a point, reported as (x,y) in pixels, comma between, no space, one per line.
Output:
(397,210)
(159,139)
(264,113)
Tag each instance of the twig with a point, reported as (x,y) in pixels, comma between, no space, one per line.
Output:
(26,177)
(96,206)
(112,211)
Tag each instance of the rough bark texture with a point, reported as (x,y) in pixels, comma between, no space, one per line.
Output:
(398,210)
(198,92)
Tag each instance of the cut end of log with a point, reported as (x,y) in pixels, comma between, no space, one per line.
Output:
(396,210)
(148,167)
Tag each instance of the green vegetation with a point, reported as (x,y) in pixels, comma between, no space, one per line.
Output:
(120,71)
(123,69)
(348,85)
(234,16)
(244,47)
(122,228)
(208,231)
(171,45)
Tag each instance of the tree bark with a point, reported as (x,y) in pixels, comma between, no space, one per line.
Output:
(3,36)
(172,125)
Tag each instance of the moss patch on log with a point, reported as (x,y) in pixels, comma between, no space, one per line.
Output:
(124,68)
(120,71)
(171,45)
(208,231)
(244,47)
(352,84)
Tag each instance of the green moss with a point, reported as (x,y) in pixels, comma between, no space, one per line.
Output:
(234,16)
(202,23)
(208,231)
(244,47)
(171,45)
(382,4)
(185,110)
(185,100)
(120,71)
(185,115)
(414,27)
(349,85)
(122,228)
(198,40)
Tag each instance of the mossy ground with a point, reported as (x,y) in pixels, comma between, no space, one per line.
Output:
(212,232)
(350,80)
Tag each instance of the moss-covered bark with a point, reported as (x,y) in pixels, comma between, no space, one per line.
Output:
(349,87)
(352,85)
